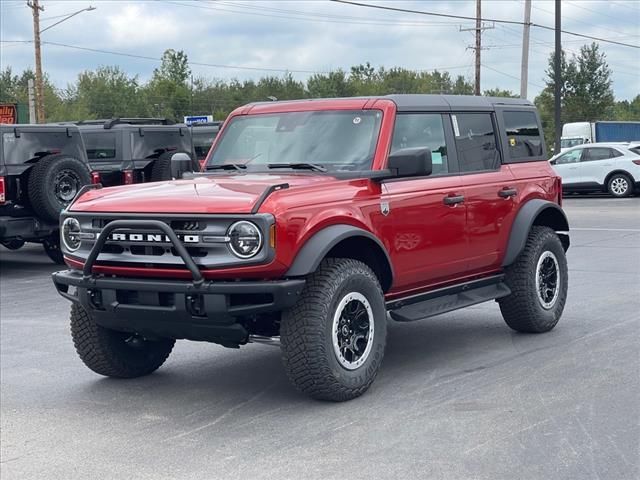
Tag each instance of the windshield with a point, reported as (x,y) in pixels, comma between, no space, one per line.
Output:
(333,140)
(571,142)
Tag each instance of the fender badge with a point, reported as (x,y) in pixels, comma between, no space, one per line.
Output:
(384,208)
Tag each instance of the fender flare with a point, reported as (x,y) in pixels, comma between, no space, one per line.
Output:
(525,219)
(320,244)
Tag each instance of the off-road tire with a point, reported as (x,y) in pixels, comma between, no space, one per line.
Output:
(14,244)
(614,185)
(107,353)
(43,183)
(161,167)
(522,310)
(51,246)
(306,332)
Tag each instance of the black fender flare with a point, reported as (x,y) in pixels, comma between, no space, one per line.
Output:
(525,219)
(320,244)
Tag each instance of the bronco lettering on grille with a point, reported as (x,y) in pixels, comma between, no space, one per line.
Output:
(151,237)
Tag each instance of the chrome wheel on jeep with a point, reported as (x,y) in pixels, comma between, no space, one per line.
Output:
(333,338)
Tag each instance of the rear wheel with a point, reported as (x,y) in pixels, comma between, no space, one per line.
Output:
(112,353)
(620,185)
(538,280)
(333,339)
(15,244)
(54,182)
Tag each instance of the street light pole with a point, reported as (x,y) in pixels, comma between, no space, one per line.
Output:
(37,8)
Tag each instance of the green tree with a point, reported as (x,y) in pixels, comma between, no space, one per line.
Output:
(498,92)
(167,94)
(333,84)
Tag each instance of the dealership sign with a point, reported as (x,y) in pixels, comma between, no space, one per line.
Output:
(8,113)
(192,119)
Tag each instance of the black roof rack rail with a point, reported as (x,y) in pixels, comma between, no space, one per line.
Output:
(109,123)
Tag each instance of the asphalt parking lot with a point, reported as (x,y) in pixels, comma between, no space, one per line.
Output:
(459,396)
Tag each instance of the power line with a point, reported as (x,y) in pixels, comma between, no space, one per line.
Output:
(214,65)
(310,17)
(463,17)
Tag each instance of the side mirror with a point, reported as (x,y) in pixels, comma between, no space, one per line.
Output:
(410,162)
(180,164)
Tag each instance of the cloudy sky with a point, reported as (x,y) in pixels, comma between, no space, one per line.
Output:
(270,37)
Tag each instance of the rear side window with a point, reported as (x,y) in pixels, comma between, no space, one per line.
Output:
(599,153)
(635,150)
(475,142)
(100,146)
(523,135)
(422,130)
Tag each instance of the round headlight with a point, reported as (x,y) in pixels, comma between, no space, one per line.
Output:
(245,239)
(70,233)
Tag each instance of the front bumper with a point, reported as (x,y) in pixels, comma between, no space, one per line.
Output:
(25,228)
(206,311)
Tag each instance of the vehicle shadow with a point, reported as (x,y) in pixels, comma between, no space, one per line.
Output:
(30,258)
(416,353)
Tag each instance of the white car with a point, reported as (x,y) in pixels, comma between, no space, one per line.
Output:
(599,167)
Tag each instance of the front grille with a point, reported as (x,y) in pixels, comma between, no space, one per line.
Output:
(204,237)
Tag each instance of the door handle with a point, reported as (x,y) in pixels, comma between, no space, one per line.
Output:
(453,199)
(507,192)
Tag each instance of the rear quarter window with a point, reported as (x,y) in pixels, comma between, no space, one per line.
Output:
(524,140)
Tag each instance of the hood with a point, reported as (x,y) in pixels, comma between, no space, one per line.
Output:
(201,195)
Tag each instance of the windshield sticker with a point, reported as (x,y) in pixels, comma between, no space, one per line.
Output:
(456,129)
(512,142)
(357,120)
(436,158)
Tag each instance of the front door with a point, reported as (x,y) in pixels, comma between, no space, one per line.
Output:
(567,166)
(428,213)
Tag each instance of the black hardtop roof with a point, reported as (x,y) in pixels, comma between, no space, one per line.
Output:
(42,127)
(426,102)
(118,122)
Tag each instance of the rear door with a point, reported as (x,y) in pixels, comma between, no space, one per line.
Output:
(596,163)
(429,243)
(489,188)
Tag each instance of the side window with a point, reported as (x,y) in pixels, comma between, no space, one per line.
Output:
(615,153)
(523,135)
(413,130)
(597,153)
(570,157)
(475,142)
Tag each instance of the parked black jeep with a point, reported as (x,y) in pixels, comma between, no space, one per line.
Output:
(202,136)
(134,150)
(42,168)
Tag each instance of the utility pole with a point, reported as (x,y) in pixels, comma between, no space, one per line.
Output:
(36,9)
(479,28)
(478,44)
(32,101)
(557,66)
(524,69)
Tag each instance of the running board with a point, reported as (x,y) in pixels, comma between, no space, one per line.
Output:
(447,299)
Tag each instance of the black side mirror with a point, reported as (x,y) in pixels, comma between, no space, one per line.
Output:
(180,164)
(410,162)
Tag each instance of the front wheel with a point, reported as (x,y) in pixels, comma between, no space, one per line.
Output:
(51,247)
(112,353)
(538,280)
(333,339)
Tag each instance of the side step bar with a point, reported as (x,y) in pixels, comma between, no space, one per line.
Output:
(447,299)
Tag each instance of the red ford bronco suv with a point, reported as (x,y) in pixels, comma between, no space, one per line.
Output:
(310,225)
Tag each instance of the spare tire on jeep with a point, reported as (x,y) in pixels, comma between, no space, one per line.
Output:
(54,182)
(161,168)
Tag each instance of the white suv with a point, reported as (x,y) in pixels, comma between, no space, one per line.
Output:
(600,167)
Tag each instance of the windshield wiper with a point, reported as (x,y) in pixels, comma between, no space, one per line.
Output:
(299,166)
(227,166)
